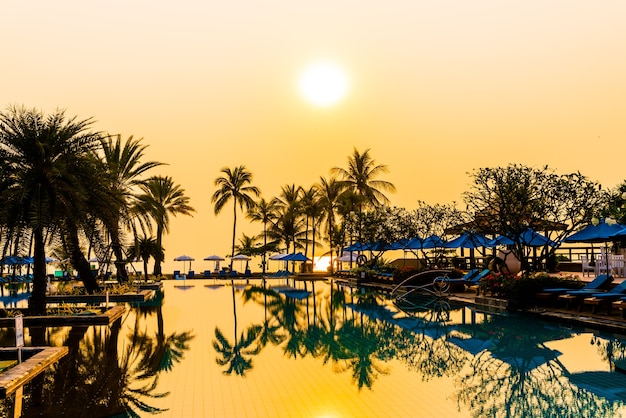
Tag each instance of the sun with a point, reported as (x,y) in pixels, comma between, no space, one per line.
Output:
(323,84)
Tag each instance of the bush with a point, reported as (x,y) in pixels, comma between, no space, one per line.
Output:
(522,290)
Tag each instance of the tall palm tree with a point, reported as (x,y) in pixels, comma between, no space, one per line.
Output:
(124,167)
(161,198)
(289,225)
(146,247)
(311,208)
(360,176)
(330,192)
(235,185)
(265,212)
(44,157)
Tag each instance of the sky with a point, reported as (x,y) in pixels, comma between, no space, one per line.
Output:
(437,89)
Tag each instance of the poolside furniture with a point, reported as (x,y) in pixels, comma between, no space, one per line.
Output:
(191,274)
(247,273)
(571,296)
(616,264)
(176,273)
(586,267)
(206,274)
(606,298)
(222,273)
(475,281)
(596,284)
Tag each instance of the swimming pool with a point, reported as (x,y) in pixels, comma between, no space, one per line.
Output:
(218,350)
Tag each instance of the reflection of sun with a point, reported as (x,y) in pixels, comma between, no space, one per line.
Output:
(323,84)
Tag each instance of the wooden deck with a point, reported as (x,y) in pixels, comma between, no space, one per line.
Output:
(107,317)
(20,374)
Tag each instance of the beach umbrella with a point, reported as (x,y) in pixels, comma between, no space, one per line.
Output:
(216,259)
(432,241)
(467,240)
(185,258)
(296,257)
(471,241)
(602,232)
(242,258)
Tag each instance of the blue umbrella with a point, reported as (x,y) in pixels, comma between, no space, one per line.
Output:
(295,257)
(432,241)
(468,240)
(602,232)
(529,237)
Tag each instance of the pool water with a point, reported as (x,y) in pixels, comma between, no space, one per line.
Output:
(212,349)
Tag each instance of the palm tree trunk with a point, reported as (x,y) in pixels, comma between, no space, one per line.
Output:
(145,269)
(120,261)
(79,261)
(232,254)
(157,262)
(37,302)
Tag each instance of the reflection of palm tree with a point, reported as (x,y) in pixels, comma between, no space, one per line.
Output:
(236,355)
(269,330)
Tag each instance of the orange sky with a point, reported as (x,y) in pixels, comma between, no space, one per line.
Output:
(437,89)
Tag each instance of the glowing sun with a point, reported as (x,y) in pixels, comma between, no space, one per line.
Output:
(323,84)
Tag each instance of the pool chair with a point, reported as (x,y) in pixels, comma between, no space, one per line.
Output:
(475,281)
(206,274)
(176,273)
(222,273)
(595,285)
(233,273)
(606,298)
(248,273)
(191,274)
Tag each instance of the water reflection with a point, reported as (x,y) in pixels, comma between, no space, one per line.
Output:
(481,365)
(103,374)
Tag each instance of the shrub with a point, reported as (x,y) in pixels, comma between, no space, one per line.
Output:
(523,289)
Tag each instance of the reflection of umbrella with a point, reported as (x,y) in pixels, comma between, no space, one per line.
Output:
(217,260)
(609,385)
(184,258)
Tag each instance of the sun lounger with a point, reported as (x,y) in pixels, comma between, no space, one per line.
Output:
(596,284)
(606,298)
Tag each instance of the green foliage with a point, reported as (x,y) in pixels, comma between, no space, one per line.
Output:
(522,289)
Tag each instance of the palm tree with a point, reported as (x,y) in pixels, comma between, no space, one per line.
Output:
(313,210)
(330,192)
(360,176)
(234,184)
(265,212)
(160,199)
(44,158)
(124,168)
(146,247)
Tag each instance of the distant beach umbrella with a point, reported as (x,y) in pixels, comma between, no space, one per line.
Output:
(216,259)
(242,258)
(185,258)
